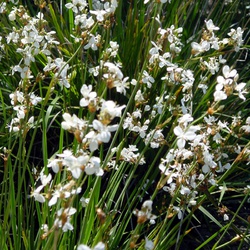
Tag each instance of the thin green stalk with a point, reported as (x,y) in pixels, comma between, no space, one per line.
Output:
(231,222)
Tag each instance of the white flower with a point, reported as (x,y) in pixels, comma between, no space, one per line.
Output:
(139,96)
(103,131)
(185,190)
(17,96)
(93,41)
(111,7)
(240,88)
(225,217)
(121,86)
(147,79)
(99,246)
(93,167)
(113,71)
(75,164)
(210,26)
(64,192)
(212,64)
(246,127)
(179,211)
(200,48)
(14,125)
(69,121)
(12,36)
(34,99)
(219,96)
(94,70)
(2,8)
(209,163)
(77,5)
(71,6)
(36,194)
(113,49)
(88,95)
(145,213)
(141,129)
(45,228)
(218,138)
(163,60)
(133,82)
(149,244)
(83,247)
(164,1)
(45,179)
(84,201)
(228,73)
(128,154)
(157,140)
(60,220)
(72,122)
(12,15)
(20,111)
(25,72)
(185,119)
(111,109)
(57,194)
(62,68)
(223,168)
(84,21)
(236,36)
(185,135)
(99,14)
(210,120)
(91,137)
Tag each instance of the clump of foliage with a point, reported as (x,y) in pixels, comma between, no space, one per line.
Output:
(124,124)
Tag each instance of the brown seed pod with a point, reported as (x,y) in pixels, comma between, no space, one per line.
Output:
(210,111)
(64,218)
(101,215)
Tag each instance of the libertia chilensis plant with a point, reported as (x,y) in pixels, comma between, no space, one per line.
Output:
(125,124)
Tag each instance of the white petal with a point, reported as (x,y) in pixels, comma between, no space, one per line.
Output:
(83,247)
(84,102)
(113,128)
(99,172)
(93,145)
(53,201)
(181,143)
(149,245)
(90,170)
(189,135)
(196,46)
(225,71)
(39,197)
(76,172)
(219,95)
(178,131)
(99,246)
(240,86)
(221,80)
(147,204)
(232,73)
(104,136)
(67,226)
(205,169)
(97,125)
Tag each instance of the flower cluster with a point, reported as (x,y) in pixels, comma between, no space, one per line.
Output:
(116,121)
(227,84)
(31,40)
(145,213)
